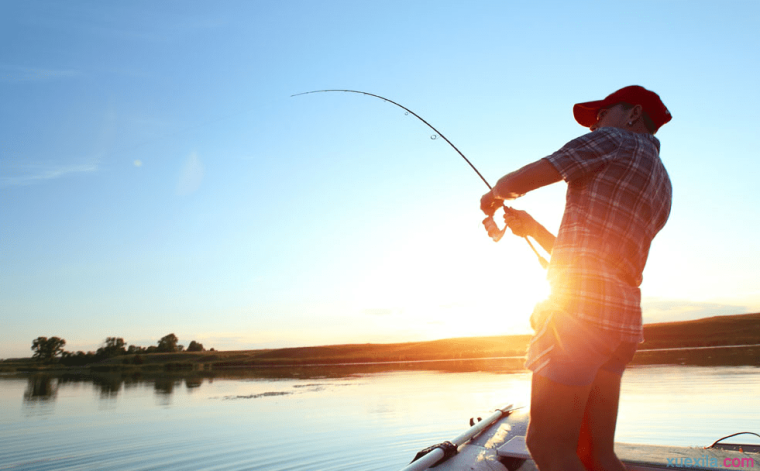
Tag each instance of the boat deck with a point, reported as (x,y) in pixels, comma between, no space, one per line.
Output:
(501,447)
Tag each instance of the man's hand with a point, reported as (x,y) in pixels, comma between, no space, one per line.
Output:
(489,203)
(520,222)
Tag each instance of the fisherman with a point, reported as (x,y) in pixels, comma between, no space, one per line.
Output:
(618,199)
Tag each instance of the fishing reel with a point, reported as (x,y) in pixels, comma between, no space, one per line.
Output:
(496,234)
(493,230)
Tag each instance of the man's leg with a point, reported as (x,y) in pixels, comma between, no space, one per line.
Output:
(597,435)
(556,413)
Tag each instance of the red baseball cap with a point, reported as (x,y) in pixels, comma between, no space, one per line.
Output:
(585,113)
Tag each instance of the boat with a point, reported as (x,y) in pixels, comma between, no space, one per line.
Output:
(497,443)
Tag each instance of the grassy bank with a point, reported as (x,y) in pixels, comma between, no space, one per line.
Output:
(694,336)
(710,332)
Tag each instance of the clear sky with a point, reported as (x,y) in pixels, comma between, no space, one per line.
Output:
(156,176)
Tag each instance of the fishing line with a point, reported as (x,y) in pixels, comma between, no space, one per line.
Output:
(496,234)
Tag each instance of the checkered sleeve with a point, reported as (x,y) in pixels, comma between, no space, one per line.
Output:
(586,154)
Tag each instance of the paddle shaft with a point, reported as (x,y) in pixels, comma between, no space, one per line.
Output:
(434,456)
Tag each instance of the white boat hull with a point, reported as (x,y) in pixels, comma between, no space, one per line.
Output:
(501,447)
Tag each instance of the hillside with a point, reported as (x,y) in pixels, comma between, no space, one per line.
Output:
(709,332)
(743,329)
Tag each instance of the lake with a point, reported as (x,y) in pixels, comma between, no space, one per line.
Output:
(325,419)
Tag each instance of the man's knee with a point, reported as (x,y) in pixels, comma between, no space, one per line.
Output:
(543,445)
(532,441)
(538,446)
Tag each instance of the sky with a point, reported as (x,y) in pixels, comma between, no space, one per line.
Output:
(157,177)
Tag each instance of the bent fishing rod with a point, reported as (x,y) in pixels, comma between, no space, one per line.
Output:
(493,230)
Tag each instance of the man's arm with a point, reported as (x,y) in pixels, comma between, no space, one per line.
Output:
(522,224)
(513,185)
(516,184)
(532,176)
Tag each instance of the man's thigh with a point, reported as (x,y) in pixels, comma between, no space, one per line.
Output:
(600,417)
(571,352)
(556,411)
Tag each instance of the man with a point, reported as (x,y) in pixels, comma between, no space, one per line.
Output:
(618,199)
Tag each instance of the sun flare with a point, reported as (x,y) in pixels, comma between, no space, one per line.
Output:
(476,291)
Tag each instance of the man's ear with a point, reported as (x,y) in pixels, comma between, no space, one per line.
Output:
(635,113)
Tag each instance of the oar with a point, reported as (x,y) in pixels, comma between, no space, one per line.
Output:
(435,455)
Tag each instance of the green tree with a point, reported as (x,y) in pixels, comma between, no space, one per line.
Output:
(115,343)
(113,346)
(195,347)
(46,349)
(168,343)
(135,349)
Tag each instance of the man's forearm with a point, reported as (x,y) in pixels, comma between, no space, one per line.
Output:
(544,238)
(528,178)
(513,185)
(523,224)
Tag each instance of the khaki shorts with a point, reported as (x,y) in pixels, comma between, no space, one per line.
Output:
(571,352)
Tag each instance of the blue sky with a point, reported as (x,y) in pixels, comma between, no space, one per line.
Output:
(156,176)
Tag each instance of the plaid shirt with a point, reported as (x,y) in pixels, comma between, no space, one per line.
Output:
(618,198)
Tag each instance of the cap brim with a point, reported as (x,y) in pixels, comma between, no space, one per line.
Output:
(585,113)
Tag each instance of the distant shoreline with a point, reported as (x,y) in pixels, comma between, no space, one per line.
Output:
(713,341)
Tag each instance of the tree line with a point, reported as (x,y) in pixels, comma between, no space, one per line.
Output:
(51,349)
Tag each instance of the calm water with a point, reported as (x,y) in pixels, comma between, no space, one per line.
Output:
(324,420)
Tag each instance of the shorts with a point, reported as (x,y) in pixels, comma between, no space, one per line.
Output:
(571,352)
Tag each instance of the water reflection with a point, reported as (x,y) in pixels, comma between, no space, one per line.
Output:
(253,419)
(165,386)
(193,382)
(41,387)
(44,387)
(108,385)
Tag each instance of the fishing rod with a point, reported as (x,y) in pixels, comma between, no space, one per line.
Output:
(493,230)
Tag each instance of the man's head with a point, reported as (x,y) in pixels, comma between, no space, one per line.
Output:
(634,108)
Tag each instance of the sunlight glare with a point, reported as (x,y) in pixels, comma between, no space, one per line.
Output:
(427,287)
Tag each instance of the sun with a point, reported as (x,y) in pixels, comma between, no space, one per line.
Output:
(439,292)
